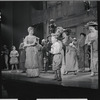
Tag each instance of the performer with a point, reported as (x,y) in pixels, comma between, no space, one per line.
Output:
(40,55)
(56,49)
(92,40)
(81,48)
(52,26)
(5,53)
(50,56)
(31,62)
(14,58)
(71,58)
(45,55)
(22,56)
(64,37)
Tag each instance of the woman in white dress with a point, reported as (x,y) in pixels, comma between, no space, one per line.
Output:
(92,40)
(31,62)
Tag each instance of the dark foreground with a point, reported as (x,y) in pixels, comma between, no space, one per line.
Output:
(72,86)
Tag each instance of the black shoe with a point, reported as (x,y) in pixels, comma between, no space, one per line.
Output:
(75,73)
(55,79)
(23,71)
(59,79)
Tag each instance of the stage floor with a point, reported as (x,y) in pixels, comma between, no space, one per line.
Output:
(83,80)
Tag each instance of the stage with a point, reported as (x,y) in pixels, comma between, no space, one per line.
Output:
(19,85)
(83,80)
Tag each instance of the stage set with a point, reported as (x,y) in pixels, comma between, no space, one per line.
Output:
(83,80)
(67,14)
(18,85)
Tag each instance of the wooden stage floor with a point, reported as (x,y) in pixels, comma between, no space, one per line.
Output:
(83,80)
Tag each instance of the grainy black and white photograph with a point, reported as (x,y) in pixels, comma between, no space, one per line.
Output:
(49,49)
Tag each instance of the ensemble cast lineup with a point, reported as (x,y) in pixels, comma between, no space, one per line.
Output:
(59,52)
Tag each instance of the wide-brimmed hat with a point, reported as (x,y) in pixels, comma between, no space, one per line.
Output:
(60,28)
(91,23)
(52,20)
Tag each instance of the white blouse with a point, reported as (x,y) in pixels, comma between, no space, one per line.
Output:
(56,48)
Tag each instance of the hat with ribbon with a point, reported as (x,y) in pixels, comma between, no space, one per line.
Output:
(91,23)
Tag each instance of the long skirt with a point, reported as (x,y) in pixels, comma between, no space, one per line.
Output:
(94,63)
(22,59)
(81,60)
(63,62)
(31,63)
(71,61)
(40,60)
(32,72)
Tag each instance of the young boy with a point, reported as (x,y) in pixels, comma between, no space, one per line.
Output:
(56,49)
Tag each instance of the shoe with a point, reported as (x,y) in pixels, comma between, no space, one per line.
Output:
(23,72)
(59,79)
(75,73)
(92,74)
(55,78)
(65,73)
(17,71)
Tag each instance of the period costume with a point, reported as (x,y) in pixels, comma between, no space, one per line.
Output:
(4,56)
(40,56)
(94,50)
(14,57)
(56,50)
(71,58)
(81,58)
(31,62)
(22,56)
(45,55)
(92,40)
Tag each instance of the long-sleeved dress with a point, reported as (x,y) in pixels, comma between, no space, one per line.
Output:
(92,38)
(81,48)
(66,41)
(56,49)
(22,56)
(31,62)
(71,59)
(40,56)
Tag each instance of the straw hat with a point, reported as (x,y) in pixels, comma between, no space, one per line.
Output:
(91,23)
(51,20)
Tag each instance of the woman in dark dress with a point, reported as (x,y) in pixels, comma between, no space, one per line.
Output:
(81,48)
(22,56)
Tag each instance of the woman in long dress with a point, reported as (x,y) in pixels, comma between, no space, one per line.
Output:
(22,56)
(81,48)
(92,40)
(31,62)
(40,55)
(71,58)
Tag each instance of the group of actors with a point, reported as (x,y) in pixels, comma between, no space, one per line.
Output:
(59,51)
